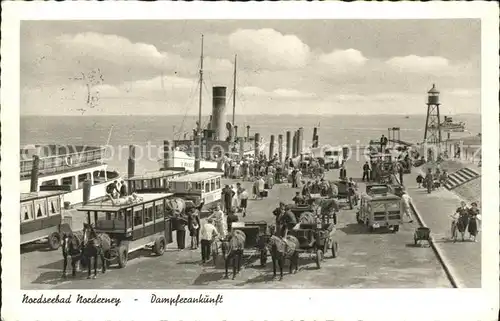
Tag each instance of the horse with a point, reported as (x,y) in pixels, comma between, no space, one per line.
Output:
(307,218)
(281,249)
(72,245)
(232,249)
(95,245)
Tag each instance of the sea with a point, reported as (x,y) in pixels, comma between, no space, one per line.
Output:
(149,132)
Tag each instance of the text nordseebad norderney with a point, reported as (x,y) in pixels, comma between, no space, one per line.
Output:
(58,299)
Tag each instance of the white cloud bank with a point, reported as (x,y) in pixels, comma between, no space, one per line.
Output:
(339,58)
(417,64)
(269,48)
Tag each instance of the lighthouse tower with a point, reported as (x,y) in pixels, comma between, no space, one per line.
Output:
(432,133)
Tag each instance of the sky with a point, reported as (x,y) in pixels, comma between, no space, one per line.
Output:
(151,67)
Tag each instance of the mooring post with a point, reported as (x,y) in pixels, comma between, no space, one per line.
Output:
(280,148)
(131,161)
(34,173)
(301,141)
(271,147)
(288,144)
(257,145)
(294,144)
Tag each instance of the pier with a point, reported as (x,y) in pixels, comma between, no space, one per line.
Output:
(365,260)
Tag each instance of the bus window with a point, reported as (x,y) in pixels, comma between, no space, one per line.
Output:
(137,216)
(26,212)
(54,205)
(212,185)
(145,184)
(207,186)
(128,215)
(217,183)
(197,186)
(40,209)
(159,212)
(148,214)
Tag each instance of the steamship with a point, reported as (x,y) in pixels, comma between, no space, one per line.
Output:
(60,167)
(218,139)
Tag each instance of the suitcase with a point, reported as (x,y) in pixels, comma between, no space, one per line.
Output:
(266,186)
(264,193)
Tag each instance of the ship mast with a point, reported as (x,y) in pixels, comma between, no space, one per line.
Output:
(234,91)
(201,88)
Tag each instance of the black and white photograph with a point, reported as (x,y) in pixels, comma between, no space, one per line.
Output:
(248,154)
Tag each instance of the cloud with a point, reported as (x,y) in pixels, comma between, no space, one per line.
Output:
(269,48)
(343,58)
(464,92)
(283,93)
(417,64)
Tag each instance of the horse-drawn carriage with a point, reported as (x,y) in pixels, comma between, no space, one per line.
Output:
(115,228)
(246,238)
(315,230)
(345,194)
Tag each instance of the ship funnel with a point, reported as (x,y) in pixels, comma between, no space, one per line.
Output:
(219,111)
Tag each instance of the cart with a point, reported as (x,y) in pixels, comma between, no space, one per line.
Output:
(345,195)
(316,240)
(257,235)
(422,234)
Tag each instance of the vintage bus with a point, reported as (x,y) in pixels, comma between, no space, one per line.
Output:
(198,187)
(42,217)
(152,182)
(133,223)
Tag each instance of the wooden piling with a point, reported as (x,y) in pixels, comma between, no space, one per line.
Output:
(257,144)
(300,144)
(131,161)
(288,143)
(271,147)
(34,174)
(280,148)
(248,132)
(315,137)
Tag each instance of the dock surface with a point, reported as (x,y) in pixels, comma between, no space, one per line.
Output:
(434,208)
(365,260)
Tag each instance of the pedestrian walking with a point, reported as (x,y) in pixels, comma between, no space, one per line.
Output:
(474,221)
(207,235)
(406,206)
(366,172)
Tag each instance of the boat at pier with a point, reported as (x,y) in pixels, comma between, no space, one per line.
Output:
(217,139)
(62,167)
(448,125)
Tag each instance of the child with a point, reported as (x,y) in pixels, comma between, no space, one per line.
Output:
(420,180)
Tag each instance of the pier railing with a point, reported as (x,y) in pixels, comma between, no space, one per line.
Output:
(57,163)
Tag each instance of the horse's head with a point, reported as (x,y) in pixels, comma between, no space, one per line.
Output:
(88,233)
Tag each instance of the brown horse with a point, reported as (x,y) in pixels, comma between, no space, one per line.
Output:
(232,249)
(284,248)
(95,245)
(72,245)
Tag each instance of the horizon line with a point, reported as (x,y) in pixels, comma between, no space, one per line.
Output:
(257,114)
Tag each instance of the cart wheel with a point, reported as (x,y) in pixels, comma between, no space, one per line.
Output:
(263,258)
(54,241)
(159,247)
(122,256)
(395,228)
(335,249)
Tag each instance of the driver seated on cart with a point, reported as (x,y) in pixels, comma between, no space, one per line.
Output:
(287,221)
(298,199)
